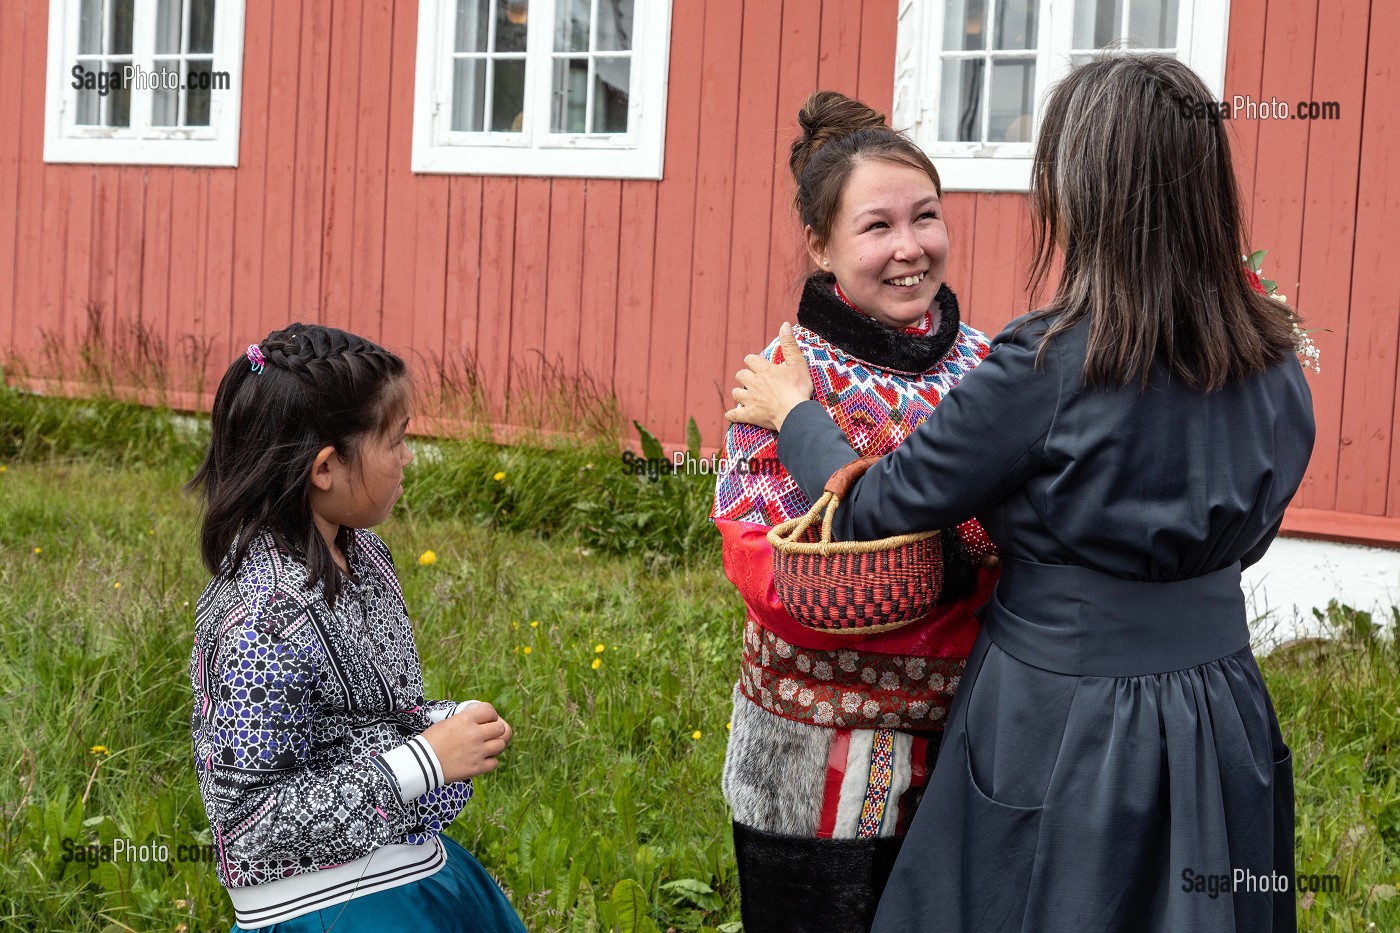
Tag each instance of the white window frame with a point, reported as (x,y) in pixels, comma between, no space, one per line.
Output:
(970,166)
(142,143)
(638,153)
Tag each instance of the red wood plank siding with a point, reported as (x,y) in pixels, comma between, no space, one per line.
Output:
(653,291)
(462,289)
(281,153)
(797,78)
(713,218)
(1328,231)
(676,201)
(635,277)
(527,307)
(13,153)
(1369,464)
(312,119)
(598,310)
(563,276)
(759,158)
(492,339)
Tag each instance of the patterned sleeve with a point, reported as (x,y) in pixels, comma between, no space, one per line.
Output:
(269,800)
(754,487)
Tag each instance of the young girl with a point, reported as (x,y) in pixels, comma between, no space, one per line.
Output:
(327,778)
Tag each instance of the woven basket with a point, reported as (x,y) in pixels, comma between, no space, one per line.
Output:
(853,587)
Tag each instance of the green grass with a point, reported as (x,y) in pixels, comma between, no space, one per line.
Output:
(605,797)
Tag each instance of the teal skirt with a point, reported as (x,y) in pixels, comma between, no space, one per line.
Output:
(459,898)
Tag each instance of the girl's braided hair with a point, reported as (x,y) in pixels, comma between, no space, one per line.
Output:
(318,387)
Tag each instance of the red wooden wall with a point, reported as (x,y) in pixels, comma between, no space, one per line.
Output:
(656,289)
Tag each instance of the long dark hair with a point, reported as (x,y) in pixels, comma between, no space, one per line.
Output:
(1133,180)
(320,387)
(837,133)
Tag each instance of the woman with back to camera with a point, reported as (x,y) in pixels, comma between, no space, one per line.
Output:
(834,735)
(1130,448)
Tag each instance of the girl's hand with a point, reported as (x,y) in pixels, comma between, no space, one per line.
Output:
(768,391)
(468,743)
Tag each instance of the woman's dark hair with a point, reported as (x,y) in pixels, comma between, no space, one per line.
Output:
(319,387)
(837,134)
(1132,179)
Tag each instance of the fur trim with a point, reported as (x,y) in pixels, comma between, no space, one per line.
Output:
(775,770)
(869,341)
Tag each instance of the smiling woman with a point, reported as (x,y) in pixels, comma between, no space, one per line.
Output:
(834,735)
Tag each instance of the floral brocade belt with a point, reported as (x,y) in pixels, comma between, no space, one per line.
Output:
(847,689)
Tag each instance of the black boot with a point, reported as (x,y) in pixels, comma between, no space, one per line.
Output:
(792,884)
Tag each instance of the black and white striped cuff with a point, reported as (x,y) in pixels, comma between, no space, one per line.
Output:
(413,767)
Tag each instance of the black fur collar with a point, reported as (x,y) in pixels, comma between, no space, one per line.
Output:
(867,339)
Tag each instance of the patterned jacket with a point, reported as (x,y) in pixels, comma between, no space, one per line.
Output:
(878,384)
(307,746)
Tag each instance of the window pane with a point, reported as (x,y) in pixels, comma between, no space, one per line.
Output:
(570,98)
(512,23)
(90,25)
(1016,24)
(168,26)
(473,25)
(508,96)
(1153,23)
(165,104)
(469,95)
(1095,23)
(1013,95)
(960,104)
(121,27)
(964,26)
(571,25)
(614,25)
(89,112)
(201,25)
(119,100)
(611,85)
(200,84)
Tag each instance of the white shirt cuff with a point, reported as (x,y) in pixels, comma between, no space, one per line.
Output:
(414,767)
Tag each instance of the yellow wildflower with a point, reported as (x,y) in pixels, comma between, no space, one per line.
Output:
(729,727)
(3,468)
(427,558)
(534,625)
(117,585)
(515,625)
(597,663)
(500,475)
(38,550)
(100,750)
(695,735)
(528,649)
(598,648)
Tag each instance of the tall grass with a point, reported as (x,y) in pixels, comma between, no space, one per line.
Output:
(606,813)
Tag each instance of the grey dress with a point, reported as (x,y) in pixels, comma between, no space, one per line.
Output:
(1112,759)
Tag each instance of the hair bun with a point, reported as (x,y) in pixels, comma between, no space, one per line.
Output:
(827,116)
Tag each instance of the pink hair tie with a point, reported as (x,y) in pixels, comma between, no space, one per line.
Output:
(256,357)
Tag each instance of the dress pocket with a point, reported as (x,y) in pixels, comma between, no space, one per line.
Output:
(999,846)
